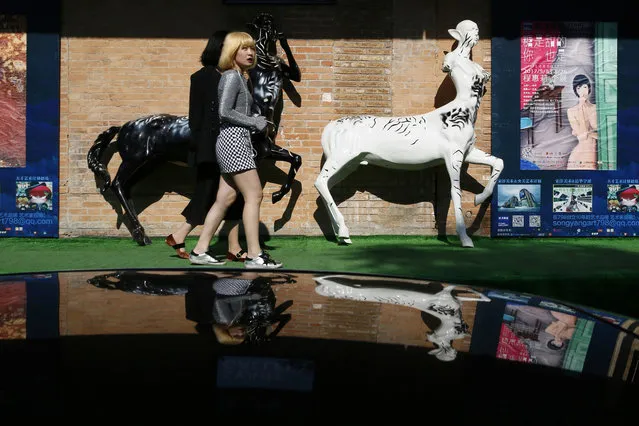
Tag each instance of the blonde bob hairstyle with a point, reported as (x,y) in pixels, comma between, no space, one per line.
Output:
(224,336)
(233,42)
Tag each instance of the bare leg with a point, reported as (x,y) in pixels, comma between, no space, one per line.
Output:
(180,235)
(226,195)
(234,245)
(176,239)
(248,183)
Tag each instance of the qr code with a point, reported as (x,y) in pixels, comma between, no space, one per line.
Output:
(518,221)
(534,221)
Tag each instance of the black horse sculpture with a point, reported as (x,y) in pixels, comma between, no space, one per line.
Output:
(145,142)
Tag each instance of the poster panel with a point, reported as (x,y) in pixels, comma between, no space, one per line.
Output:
(571,165)
(568,97)
(29,119)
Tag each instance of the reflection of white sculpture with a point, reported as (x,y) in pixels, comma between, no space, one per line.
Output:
(445,135)
(442,305)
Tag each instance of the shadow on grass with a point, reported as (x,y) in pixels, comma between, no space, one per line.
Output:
(599,277)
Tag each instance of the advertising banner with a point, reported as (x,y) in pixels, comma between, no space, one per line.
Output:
(571,166)
(29,119)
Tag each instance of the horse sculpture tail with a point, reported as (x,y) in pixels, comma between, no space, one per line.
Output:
(95,154)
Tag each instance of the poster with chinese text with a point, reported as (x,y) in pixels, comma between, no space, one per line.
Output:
(566,124)
(568,96)
(29,118)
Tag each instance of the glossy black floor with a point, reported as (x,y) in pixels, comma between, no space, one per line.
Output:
(357,371)
(157,375)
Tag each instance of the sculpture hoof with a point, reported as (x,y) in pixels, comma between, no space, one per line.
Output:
(140,237)
(277,196)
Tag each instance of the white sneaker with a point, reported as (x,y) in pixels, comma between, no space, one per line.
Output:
(263,261)
(204,259)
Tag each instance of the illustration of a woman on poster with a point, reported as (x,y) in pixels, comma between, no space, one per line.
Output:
(583,121)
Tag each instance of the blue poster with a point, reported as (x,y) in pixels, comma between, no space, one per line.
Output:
(29,118)
(571,157)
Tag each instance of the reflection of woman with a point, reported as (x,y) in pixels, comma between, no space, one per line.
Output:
(229,307)
(583,120)
(235,309)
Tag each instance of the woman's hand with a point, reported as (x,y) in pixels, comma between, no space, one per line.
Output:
(260,123)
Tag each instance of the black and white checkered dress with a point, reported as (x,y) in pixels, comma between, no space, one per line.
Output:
(234,150)
(231,286)
(231,299)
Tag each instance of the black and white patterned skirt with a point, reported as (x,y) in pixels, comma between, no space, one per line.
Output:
(234,150)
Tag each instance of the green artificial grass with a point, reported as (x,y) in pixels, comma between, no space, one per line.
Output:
(601,273)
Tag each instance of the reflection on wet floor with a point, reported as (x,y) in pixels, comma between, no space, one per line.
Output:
(273,342)
(244,307)
(131,303)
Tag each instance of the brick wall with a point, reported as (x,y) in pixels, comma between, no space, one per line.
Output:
(120,61)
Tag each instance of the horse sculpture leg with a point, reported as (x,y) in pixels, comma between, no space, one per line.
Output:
(453,165)
(335,170)
(477,156)
(121,188)
(281,154)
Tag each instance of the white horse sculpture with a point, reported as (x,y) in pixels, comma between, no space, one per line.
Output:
(443,305)
(445,135)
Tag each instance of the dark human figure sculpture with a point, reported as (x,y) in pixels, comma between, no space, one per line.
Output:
(147,141)
(267,78)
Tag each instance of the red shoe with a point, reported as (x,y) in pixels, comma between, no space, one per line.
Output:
(179,248)
(239,257)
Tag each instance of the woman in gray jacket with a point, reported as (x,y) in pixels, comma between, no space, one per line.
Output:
(234,154)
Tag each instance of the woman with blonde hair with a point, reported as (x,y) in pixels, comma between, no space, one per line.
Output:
(234,153)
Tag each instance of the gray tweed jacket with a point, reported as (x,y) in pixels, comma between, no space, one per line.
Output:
(236,100)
